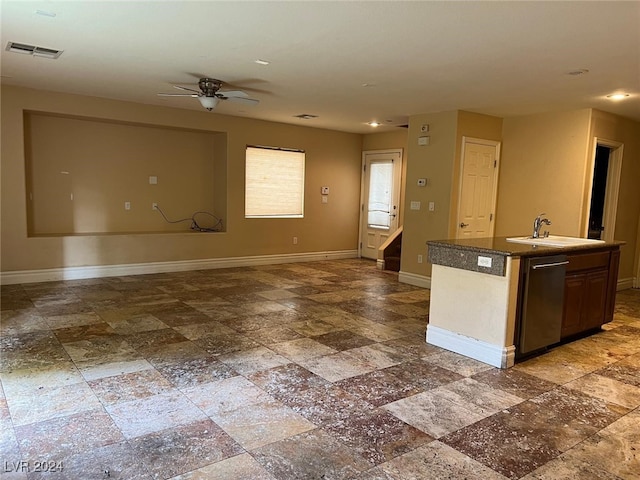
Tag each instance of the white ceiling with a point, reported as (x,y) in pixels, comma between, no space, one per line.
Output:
(501,58)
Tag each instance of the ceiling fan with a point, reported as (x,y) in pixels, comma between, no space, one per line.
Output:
(210,94)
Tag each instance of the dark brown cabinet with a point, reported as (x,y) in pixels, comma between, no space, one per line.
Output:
(589,291)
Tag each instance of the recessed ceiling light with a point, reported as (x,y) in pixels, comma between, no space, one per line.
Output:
(306,116)
(45,13)
(579,71)
(374,124)
(368,85)
(262,62)
(617,96)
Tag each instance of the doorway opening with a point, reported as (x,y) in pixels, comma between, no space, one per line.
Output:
(598,190)
(380,199)
(603,201)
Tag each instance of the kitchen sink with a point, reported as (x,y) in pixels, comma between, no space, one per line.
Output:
(555,241)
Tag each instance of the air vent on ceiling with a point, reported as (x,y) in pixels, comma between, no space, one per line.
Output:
(33,50)
(306,116)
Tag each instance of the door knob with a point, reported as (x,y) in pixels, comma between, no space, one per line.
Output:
(462,224)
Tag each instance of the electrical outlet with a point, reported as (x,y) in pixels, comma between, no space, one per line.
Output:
(154,206)
(127,205)
(484,261)
(419,258)
(295,240)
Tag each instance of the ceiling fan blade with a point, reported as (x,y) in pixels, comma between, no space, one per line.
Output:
(246,101)
(187,89)
(178,95)
(233,93)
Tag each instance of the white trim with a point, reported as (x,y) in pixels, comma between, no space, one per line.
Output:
(414,279)
(625,283)
(501,357)
(99,271)
(380,264)
(611,190)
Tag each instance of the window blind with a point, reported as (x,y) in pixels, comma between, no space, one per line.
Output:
(274,183)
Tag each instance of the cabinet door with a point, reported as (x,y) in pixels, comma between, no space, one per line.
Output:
(574,293)
(596,299)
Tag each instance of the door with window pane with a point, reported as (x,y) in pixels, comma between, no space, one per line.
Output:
(380,200)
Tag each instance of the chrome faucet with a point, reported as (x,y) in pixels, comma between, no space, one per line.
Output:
(537,223)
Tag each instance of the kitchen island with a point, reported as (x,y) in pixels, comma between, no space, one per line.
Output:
(496,300)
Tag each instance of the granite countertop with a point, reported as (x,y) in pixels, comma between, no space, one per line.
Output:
(500,246)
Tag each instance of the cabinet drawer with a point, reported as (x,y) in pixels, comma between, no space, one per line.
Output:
(588,261)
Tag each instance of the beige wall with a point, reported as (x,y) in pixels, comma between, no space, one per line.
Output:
(546,167)
(436,163)
(333,159)
(439,162)
(605,126)
(80,172)
(543,169)
(546,163)
(470,125)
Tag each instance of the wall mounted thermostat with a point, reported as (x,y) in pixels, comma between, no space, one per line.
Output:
(424,128)
(324,190)
(422,182)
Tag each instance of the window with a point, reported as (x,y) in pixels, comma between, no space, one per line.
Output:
(274,183)
(380,184)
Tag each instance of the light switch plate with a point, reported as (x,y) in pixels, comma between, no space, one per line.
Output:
(415,205)
(153,180)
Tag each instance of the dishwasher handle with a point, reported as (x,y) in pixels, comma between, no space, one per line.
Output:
(549,265)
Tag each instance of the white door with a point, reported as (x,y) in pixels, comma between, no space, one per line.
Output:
(382,170)
(478,188)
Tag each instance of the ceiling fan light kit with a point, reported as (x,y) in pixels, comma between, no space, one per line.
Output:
(210,95)
(209,102)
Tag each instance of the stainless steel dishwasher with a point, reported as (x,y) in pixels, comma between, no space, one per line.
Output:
(542,302)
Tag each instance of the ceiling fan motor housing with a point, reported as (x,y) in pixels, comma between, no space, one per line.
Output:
(209,86)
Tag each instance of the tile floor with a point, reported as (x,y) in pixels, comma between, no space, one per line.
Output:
(300,371)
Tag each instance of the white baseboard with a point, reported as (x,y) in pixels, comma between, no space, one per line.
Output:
(414,279)
(380,264)
(99,271)
(625,283)
(501,357)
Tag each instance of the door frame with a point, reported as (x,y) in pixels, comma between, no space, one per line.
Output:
(393,151)
(494,194)
(612,190)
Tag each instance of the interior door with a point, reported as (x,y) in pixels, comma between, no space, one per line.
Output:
(603,199)
(382,171)
(478,188)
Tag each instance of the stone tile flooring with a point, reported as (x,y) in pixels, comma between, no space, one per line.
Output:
(300,371)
